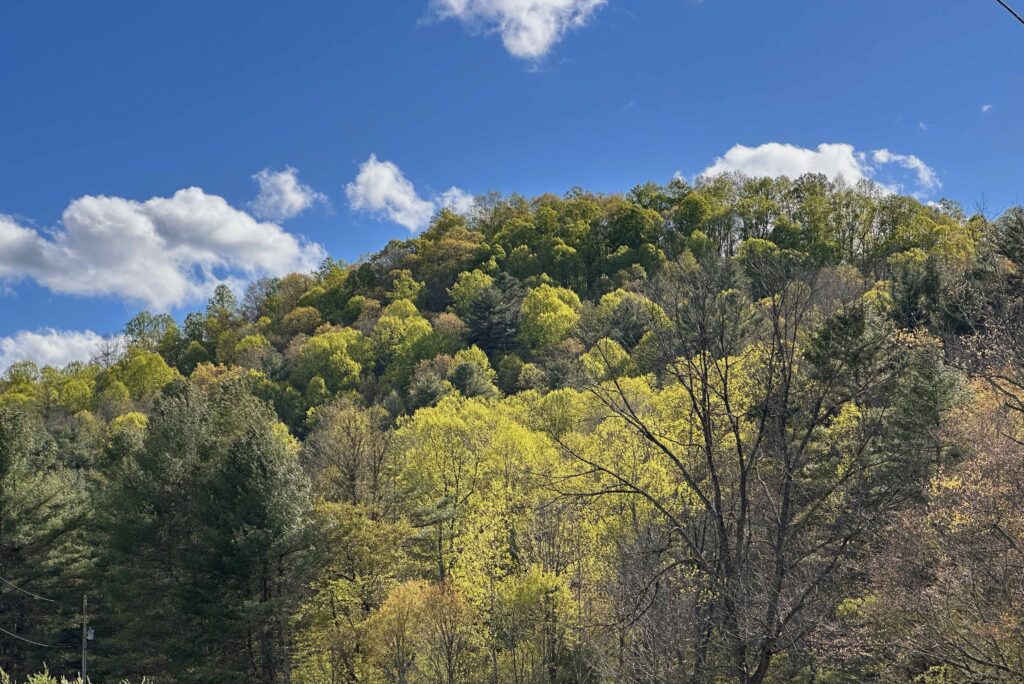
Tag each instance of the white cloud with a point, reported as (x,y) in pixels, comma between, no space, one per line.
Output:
(382,189)
(49,347)
(926,176)
(456,199)
(163,252)
(777,159)
(923,126)
(835,160)
(282,196)
(986,108)
(528,28)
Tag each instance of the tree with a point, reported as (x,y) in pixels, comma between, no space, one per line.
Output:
(404,286)
(152,333)
(256,352)
(790,453)
(143,373)
(337,357)
(472,375)
(42,511)
(300,320)
(203,531)
(349,455)
(493,315)
(947,578)
(401,338)
(548,315)
(362,561)
(761,456)
(467,288)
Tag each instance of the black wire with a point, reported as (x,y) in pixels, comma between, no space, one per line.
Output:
(29,641)
(25,591)
(1011,11)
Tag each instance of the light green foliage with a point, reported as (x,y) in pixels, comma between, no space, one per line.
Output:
(404,286)
(467,288)
(548,314)
(43,677)
(20,383)
(400,339)
(76,393)
(143,373)
(334,636)
(607,360)
(256,352)
(337,357)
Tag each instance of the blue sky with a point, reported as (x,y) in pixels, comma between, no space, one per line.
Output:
(367,114)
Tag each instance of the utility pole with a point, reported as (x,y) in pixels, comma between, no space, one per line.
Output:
(85,634)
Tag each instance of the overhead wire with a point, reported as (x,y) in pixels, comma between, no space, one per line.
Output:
(1011,11)
(33,595)
(25,591)
(28,641)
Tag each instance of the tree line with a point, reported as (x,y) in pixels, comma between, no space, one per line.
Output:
(745,430)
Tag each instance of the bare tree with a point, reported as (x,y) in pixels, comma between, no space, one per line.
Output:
(348,452)
(773,446)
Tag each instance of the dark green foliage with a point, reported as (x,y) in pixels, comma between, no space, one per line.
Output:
(42,512)
(493,316)
(203,532)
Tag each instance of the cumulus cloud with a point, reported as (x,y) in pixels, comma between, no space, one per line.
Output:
(528,28)
(163,252)
(282,196)
(777,159)
(835,160)
(456,199)
(382,189)
(48,347)
(986,108)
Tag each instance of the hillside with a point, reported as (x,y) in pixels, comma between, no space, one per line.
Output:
(748,430)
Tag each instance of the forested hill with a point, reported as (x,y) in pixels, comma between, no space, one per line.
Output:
(748,431)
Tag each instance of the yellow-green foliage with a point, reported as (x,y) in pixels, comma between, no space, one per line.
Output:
(548,315)
(608,360)
(142,373)
(401,338)
(336,356)
(467,288)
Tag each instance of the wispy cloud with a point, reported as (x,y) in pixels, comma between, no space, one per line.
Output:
(926,176)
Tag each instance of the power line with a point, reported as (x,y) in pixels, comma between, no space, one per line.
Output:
(1011,11)
(29,641)
(25,591)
